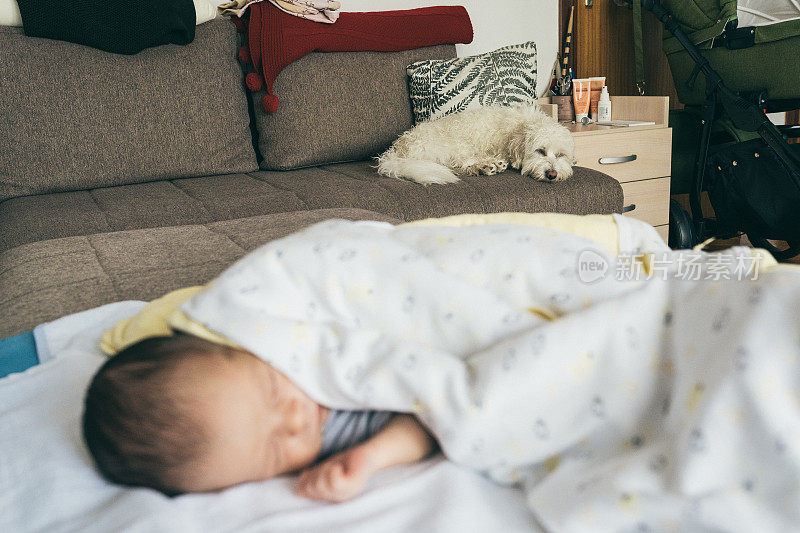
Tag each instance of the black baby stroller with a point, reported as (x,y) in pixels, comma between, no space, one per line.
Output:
(753,182)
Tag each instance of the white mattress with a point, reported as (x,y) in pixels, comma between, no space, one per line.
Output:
(47,482)
(765,12)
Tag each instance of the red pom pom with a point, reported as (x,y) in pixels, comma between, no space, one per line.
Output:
(254,82)
(239,23)
(244,55)
(270,103)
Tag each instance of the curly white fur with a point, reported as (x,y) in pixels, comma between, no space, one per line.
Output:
(484,140)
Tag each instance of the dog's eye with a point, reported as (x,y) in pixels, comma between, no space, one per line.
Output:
(541,151)
(561,155)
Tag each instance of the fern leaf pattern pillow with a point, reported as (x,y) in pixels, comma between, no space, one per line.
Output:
(441,87)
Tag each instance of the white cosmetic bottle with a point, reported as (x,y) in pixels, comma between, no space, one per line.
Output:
(604,106)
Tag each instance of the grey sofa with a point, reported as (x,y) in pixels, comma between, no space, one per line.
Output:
(124,177)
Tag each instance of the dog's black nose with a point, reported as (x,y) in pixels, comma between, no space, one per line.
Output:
(551,174)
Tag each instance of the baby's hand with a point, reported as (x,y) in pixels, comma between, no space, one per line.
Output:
(338,478)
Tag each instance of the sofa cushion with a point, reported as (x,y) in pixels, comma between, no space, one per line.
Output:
(45,280)
(357,184)
(338,106)
(75,117)
(213,198)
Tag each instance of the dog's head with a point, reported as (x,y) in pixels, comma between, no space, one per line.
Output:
(548,152)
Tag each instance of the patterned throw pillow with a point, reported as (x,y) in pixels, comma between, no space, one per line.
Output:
(442,87)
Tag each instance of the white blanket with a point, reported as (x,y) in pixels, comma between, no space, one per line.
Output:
(766,12)
(47,483)
(648,405)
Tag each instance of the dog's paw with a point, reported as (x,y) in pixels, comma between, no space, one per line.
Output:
(490,167)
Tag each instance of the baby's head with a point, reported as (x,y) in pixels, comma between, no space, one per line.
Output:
(181,414)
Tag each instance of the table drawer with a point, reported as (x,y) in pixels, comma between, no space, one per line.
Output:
(628,155)
(649,198)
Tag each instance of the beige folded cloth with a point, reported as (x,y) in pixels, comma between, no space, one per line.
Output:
(326,11)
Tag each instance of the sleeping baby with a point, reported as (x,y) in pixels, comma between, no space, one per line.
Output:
(182,414)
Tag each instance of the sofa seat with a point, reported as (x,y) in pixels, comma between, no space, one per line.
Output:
(205,200)
(45,280)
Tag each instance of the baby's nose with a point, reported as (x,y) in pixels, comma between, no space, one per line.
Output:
(551,174)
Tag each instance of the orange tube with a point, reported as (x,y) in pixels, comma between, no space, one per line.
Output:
(580,96)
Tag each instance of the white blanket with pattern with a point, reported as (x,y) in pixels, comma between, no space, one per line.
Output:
(662,404)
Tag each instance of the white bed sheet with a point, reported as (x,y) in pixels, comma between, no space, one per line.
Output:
(47,483)
(766,12)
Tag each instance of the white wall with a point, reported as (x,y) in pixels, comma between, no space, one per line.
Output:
(495,23)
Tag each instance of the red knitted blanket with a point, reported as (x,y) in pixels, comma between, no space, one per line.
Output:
(276,38)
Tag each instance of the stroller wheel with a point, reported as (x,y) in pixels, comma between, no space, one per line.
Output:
(681,231)
(780,254)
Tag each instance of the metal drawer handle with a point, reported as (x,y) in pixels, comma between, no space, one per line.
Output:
(615,160)
(628,208)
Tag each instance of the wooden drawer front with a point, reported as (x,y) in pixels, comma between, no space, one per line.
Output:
(652,149)
(651,198)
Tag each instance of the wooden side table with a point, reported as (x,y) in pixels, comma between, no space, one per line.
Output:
(639,157)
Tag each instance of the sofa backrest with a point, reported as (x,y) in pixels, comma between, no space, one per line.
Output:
(77,118)
(338,106)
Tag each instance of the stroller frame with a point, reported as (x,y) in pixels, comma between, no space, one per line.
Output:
(746,115)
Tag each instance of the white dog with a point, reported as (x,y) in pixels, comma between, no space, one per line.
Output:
(485,140)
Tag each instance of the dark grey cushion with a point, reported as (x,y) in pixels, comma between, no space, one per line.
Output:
(45,280)
(212,198)
(338,106)
(75,117)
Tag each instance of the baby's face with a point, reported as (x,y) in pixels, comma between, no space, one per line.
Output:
(257,423)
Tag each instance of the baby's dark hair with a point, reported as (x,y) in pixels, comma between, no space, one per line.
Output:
(136,423)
